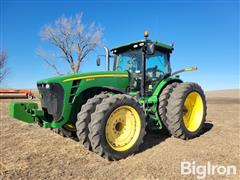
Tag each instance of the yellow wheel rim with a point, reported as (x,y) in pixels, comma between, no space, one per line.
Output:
(193,111)
(123,128)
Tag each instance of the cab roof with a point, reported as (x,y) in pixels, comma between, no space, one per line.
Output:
(139,44)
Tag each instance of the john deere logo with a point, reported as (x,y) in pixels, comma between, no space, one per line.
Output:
(90,79)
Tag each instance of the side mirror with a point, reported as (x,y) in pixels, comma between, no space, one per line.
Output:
(98,61)
(150,48)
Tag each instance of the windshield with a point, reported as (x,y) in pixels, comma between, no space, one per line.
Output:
(130,61)
(156,65)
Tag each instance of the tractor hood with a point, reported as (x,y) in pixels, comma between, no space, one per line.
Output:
(79,76)
(59,93)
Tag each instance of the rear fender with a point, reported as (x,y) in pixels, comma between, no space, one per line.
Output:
(160,87)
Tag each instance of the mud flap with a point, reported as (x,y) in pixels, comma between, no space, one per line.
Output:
(25,111)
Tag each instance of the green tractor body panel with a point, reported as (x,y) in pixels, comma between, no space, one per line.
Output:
(109,81)
(71,88)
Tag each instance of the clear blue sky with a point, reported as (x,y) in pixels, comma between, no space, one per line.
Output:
(205,33)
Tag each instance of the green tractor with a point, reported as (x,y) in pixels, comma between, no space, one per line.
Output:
(109,111)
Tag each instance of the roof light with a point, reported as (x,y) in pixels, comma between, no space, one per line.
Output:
(135,46)
(146,34)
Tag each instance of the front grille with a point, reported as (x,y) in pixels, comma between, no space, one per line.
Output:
(52,100)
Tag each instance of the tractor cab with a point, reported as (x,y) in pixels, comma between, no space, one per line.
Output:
(147,63)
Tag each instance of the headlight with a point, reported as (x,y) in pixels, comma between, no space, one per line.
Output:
(47,86)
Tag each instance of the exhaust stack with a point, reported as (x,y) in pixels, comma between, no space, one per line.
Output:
(107,56)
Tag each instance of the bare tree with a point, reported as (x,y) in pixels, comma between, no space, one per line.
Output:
(3,69)
(73,40)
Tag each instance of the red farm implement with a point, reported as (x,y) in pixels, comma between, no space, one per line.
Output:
(16,93)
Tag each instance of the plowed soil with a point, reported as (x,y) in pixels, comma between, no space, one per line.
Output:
(30,152)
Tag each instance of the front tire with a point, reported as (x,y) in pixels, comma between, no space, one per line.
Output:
(84,118)
(65,132)
(117,127)
(186,111)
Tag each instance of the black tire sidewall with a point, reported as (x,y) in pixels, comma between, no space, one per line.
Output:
(82,123)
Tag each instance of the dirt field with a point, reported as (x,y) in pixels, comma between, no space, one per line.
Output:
(30,152)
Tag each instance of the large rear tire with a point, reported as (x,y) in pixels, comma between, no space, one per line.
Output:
(186,111)
(117,127)
(84,118)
